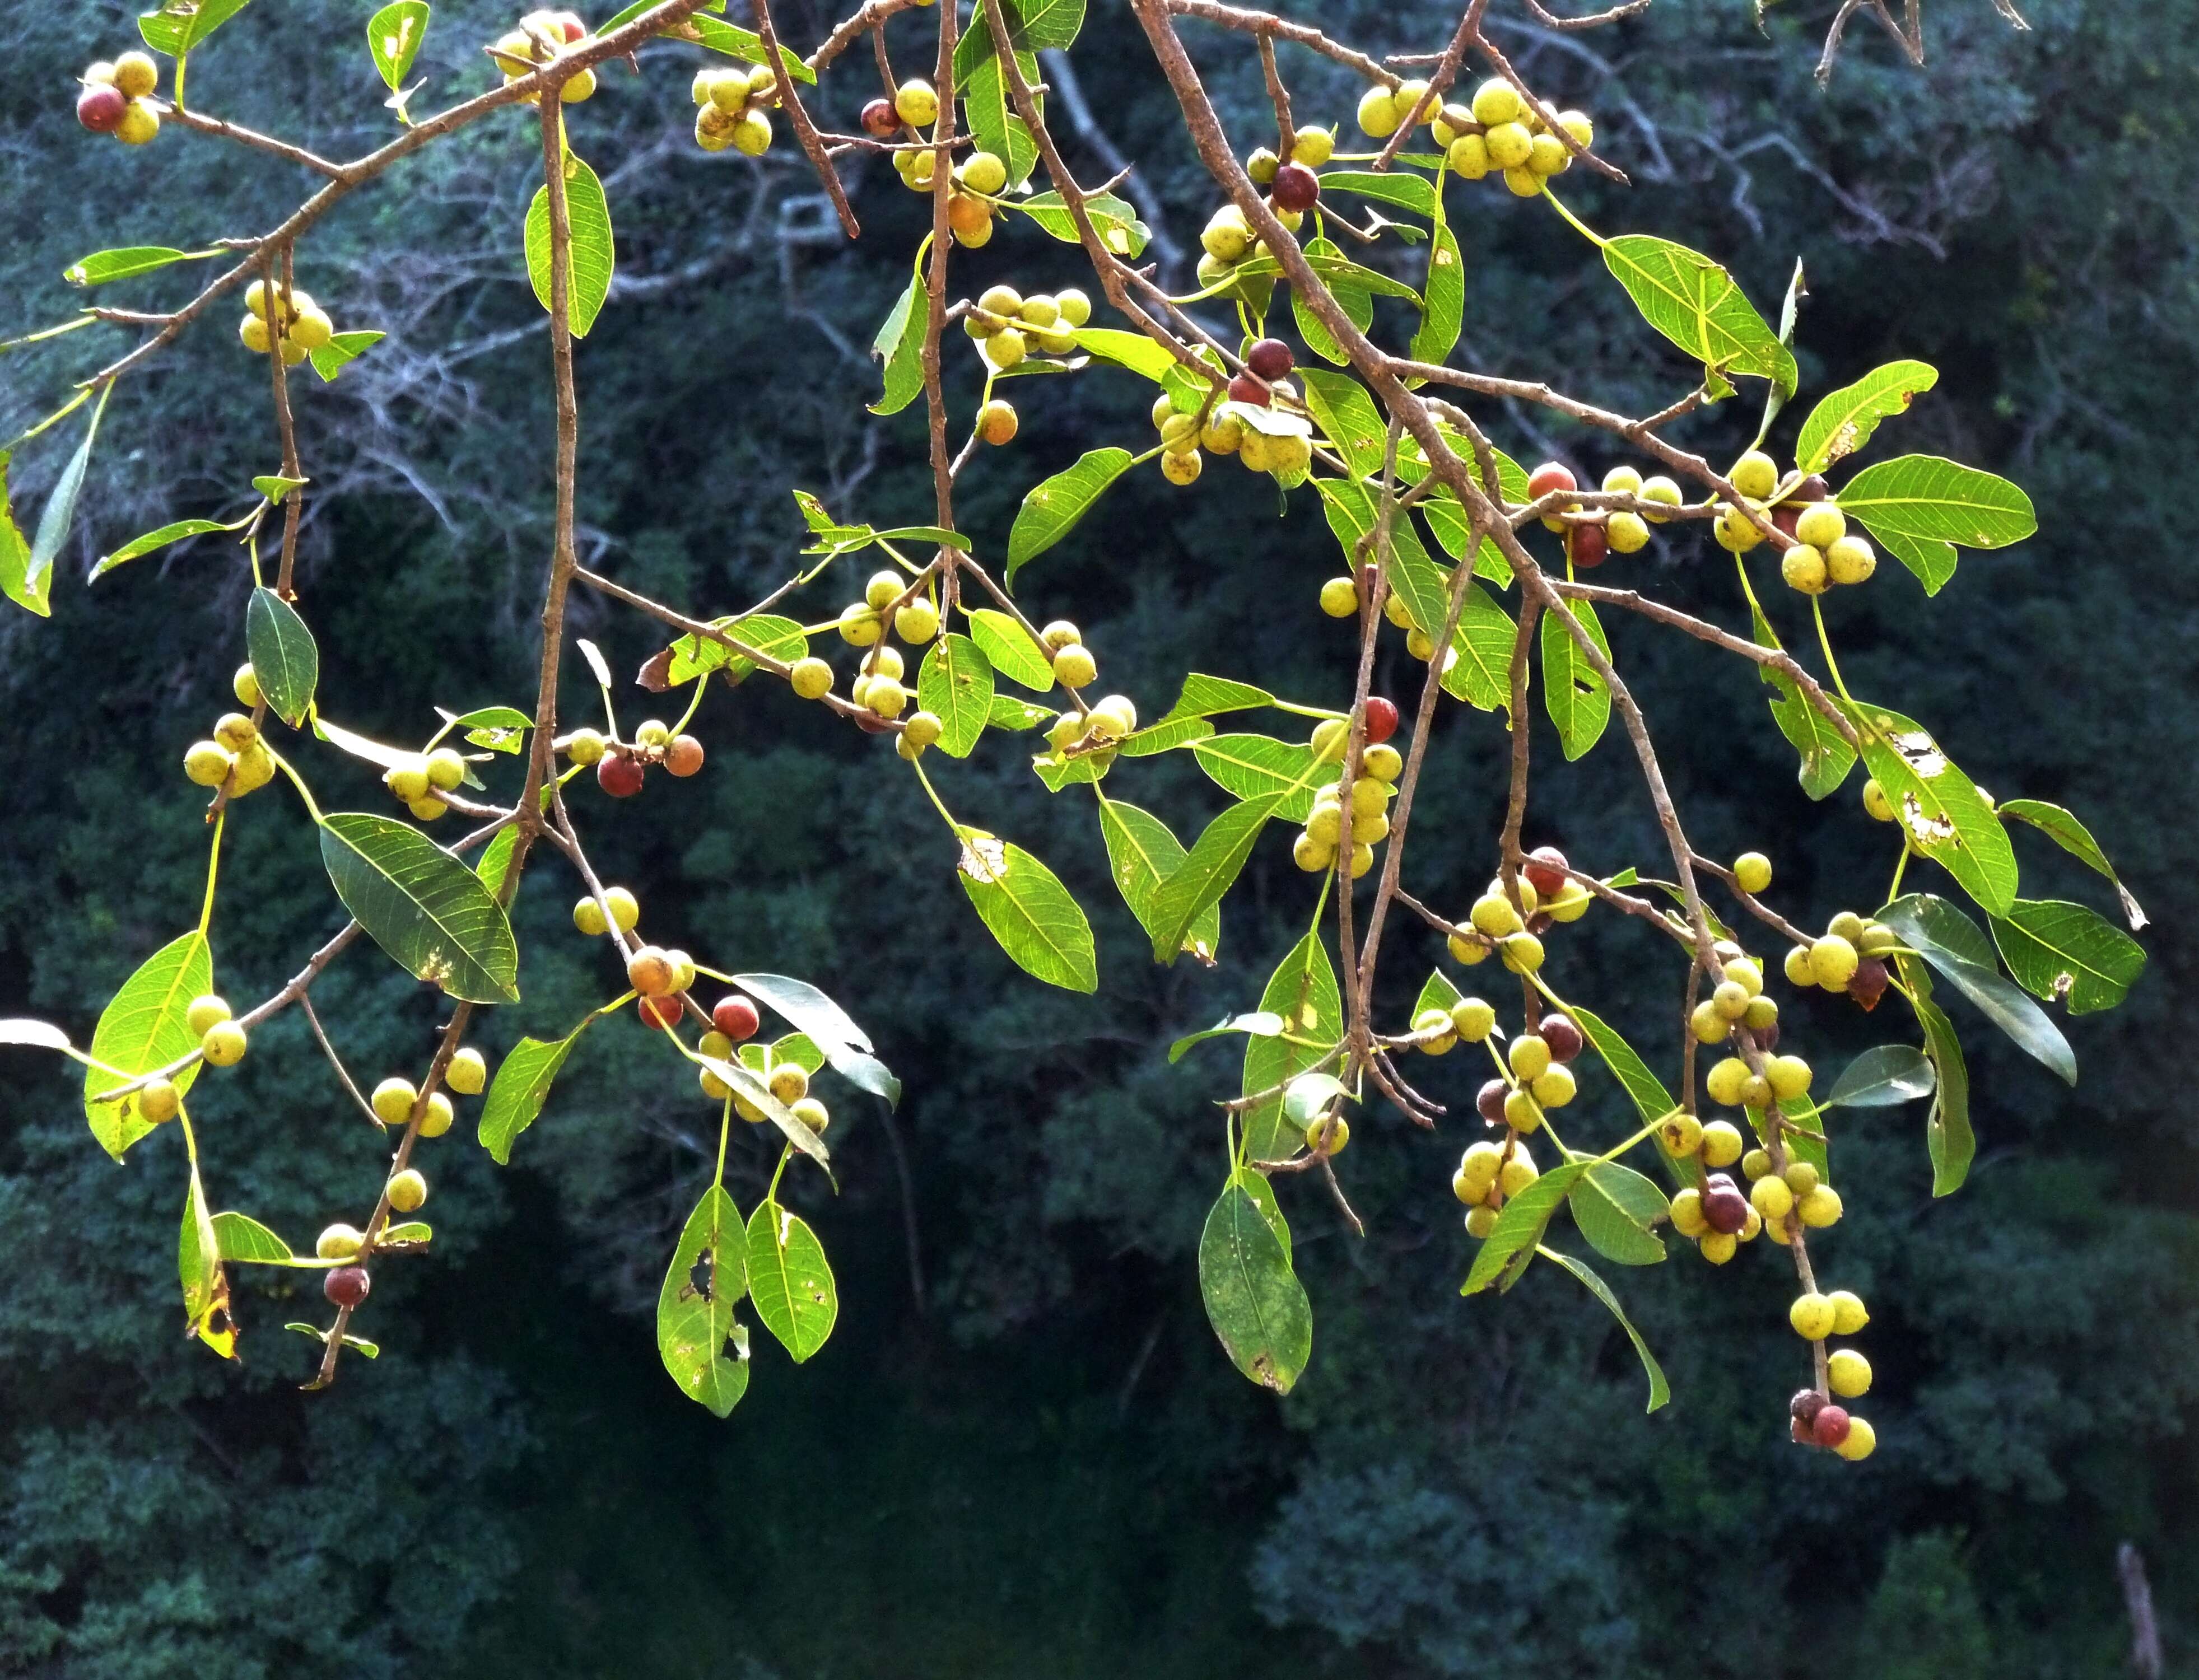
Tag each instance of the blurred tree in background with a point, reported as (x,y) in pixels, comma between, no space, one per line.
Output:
(1025,1456)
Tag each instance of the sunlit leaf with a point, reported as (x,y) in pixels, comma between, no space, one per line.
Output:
(423,906)
(708,1276)
(589,272)
(1255,1302)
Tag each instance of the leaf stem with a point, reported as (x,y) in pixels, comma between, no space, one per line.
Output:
(1824,641)
(213,868)
(1579,226)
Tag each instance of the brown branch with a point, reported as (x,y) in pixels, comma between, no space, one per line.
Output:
(1469,27)
(805,130)
(1303,35)
(266,142)
(844,35)
(343,1075)
(1550,19)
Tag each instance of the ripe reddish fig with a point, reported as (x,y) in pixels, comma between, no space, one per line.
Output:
(1805,1405)
(1270,357)
(1546,870)
(664,1011)
(1244,388)
(880,119)
(1295,188)
(1489,1101)
(347,1286)
(1810,489)
(1800,1431)
(618,776)
(1786,515)
(1381,720)
(683,755)
(1540,923)
(1725,1209)
(1867,984)
(1550,475)
(1830,1426)
(1563,1037)
(1587,546)
(100,108)
(736,1017)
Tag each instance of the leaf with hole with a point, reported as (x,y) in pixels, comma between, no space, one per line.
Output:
(180,25)
(1948,940)
(198,1264)
(1028,910)
(707,1278)
(1116,221)
(1575,695)
(1940,808)
(588,272)
(392,39)
(790,1280)
(1255,1302)
(1843,420)
(2068,953)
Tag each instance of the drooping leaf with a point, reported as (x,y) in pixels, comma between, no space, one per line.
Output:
(1947,1134)
(1345,413)
(1576,697)
(1790,314)
(1010,648)
(790,1281)
(1520,1227)
(33,1034)
(1882,1078)
(899,348)
(1214,861)
(143,1028)
(1659,1391)
(1616,1208)
(1948,940)
(422,906)
(955,682)
(521,1087)
(358,1345)
(1052,507)
(392,39)
(1698,306)
(1142,855)
(1258,1024)
(735,41)
(276,486)
(1134,351)
(1116,221)
(989,107)
(137,546)
(808,1010)
(29,584)
(240,1238)
(1028,911)
(2068,953)
(1651,1099)
(1255,1302)
(180,25)
(1843,421)
(1445,309)
(2074,838)
(588,280)
(1302,992)
(1255,1186)
(1940,808)
(198,1265)
(1407,191)
(358,745)
(1257,767)
(1921,506)
(708,1276)
(1357,303)
(284,659)
(1826,756)
(341,350)
(127,264)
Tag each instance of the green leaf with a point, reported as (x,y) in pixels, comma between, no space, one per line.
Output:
(1948,940)
(1884,1077)
(1342,408)
(392,39)
(521,1087)
(1141,854)
(15,555)
(1006,712)
(2074,838)
(1826,756)
(1356,301)
(2068,953)
(1407,192)
(1519,1225)
(926,534)
(238,1237)
(423,906)
(1482,674)
(1577,699)
(708,1276)
(1052,507)
(1255,1186)
(1258,767)
(899,348)
(1438,993)
(589,280)
(1334,272)
(1258,1024)
(412,1231)
(127,264)
(1166,736)
(142,1028)
(1044,23)
(1842,422)
(1208,871)
(1651,1099)
(1790,314)
(807,1009)
(1615,1207)
(790,1280)
(1939,808)
(1206,696)
(341,349)
(1302,992)
(181,24)
(956,681)
(1659,1391)
(769,633)
(1028,911)
(275,487)
(1920,506)
(1134,351)
(357,1343)
(1947,1134)
(993,123)
(27,581)
(1117,223)
(499,728)
(1010,648)
(1445,309)
(139,546)
(1700,307)
(1253,1299)
(736,43)
(284,659)
(206,1286)
(1306,1097)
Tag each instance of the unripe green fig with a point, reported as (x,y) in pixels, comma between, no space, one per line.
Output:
(1680,1133)
(1377,115)
(223,1044)
(788,1082)
(338,1242)
(1182,466)
(1074,666)
(138,125)
(1312,853)
(1467,157)
(1832,962)
(1510,145)
(1722,1143)
(1497,101)
(1313,147)
(394,1100)
(207,763)
(585,746)
(408,1190)
(1383,761)
(1821,524)
(1848,1373)
(1812,1314)
(446,768)
(1803,570)
(159,1101)
(235,731)
(858,624)
(1771,1198)
(811,678)
(1849,1315)
(1735,531)
(1472,1019)
(207,1012)
(1662,491)
(1547,155)
(1726,1081)
(1751,871)
(1851,560)
(917,103)
(408,778)
(1821,1207)
(436,1116)
(1787,1075)
(467,1072)
(1625,533)
(1522,952)
(1709,1024)
(1755,475)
